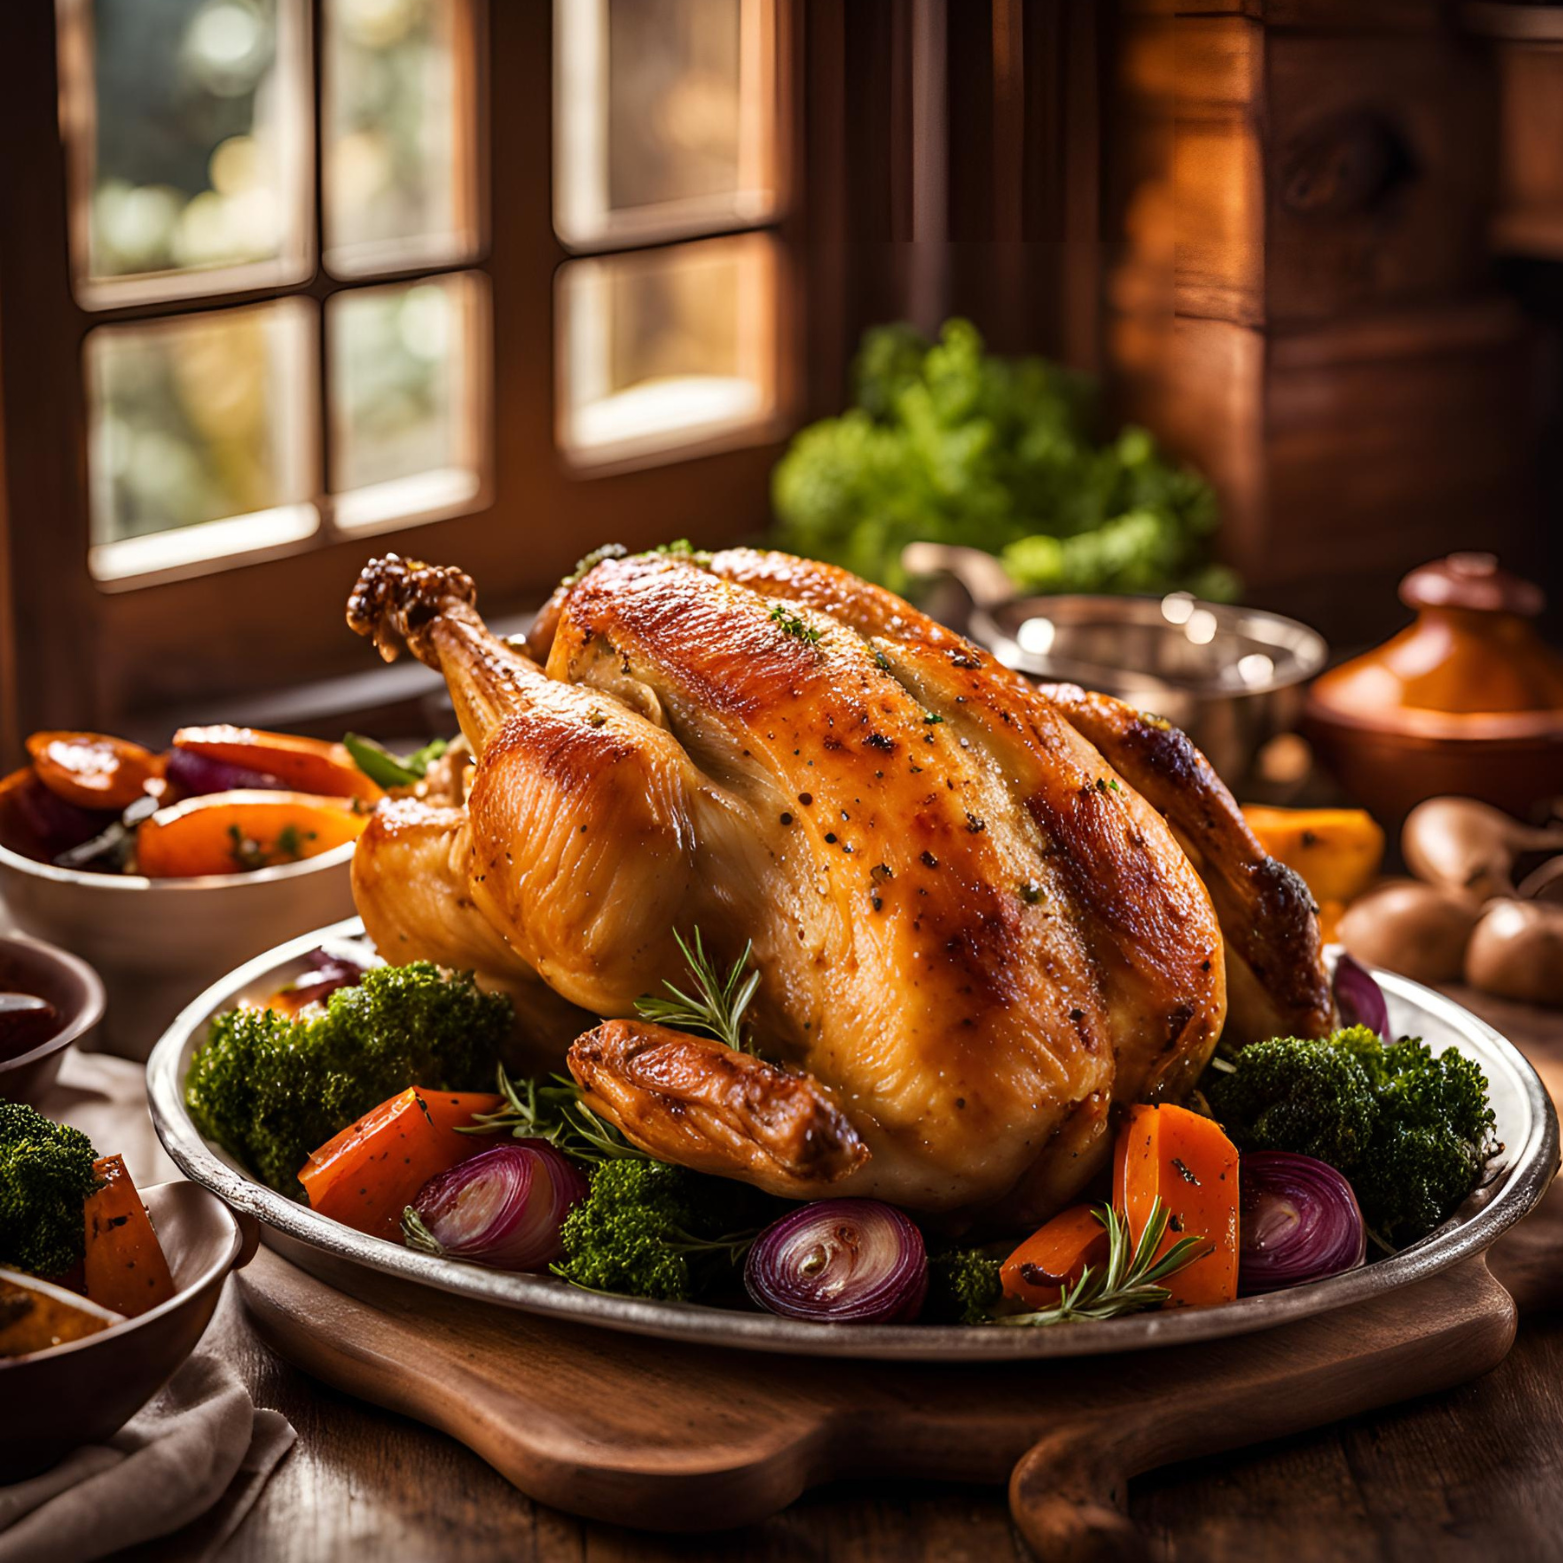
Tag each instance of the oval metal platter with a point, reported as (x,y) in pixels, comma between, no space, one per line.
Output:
(1515,1181)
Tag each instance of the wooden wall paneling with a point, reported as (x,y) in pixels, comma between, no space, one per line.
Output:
(1529,215)
(1305,308)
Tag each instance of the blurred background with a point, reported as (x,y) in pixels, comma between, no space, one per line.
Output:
(1257,304)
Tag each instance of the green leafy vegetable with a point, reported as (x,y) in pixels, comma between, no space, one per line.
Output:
(271,1088)
(952,444)
(718,1003)
(45,1177)
(1130,1279)
(1410,1129)
(389,770)
(963,1287)
(552,1110)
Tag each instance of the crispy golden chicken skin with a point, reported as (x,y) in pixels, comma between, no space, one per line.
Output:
(975,934)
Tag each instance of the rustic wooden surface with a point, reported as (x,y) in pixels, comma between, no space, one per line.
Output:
(1467,1475)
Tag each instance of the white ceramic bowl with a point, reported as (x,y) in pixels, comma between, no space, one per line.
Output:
(158,942)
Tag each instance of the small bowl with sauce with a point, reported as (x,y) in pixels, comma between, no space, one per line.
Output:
(48,1000)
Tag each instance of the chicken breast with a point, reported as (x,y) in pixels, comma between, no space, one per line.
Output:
(974,933)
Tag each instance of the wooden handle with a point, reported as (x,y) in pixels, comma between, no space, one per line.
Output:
(1069,1491)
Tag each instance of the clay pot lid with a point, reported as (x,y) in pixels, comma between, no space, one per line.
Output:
(1471,580)
(1478,672)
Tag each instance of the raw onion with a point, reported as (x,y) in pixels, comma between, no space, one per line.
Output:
(1359,998)
(1299,1222)
(503,1207)
(842,1261)
(196,775)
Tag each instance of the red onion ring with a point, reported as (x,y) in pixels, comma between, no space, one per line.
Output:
(1359,998)
(1298,1221)
(503,1207)
(840,1261)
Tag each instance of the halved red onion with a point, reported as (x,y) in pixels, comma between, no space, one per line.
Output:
(340,964)
(1359,998)
(55,825)
(196,775)
(1298,1221)
(840,1261)
(503,1207)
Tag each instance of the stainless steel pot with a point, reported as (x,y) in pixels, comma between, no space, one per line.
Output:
(1232,678)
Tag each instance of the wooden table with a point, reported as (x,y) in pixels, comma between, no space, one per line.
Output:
(1474,1474)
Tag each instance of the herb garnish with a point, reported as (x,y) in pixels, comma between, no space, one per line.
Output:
(717,1005)
(551,1109)
(392,770)
(1129,1282)
(794,624)
(288,847)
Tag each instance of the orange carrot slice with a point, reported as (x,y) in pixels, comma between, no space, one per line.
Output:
(1053,1256)
(93,770)
(1191,1166)
(304,764)
(229,832)
(125,1267)
(370,1172)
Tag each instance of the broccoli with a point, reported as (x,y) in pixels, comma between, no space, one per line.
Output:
(963,1287)
(45,1177)
(271,1088)
(1296,1094)
(650,1229)
(1409,1128)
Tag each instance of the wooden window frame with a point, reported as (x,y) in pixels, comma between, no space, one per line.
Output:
(78,654)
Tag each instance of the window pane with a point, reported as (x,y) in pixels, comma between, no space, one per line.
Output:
(662,348)
(400,174)
(665,116)
(409,379)
(186,121)
(201,437)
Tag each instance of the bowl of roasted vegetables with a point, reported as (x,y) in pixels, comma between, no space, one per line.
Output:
(382,1114)
(164,868)
(104,1288)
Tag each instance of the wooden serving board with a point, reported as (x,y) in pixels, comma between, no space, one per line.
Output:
(677,1437)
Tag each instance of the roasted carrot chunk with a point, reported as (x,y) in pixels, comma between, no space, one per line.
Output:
(125,1267)
(1191,1166)
(229,832)
(304,764)
(93,770)
(1054,1255)
(370,1172)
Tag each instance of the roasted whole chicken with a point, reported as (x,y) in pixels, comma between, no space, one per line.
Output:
(983,911)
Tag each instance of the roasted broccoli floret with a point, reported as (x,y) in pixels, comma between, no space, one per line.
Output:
(270,1088)
(650,1229)
(963,1287)
(45,1177)
(1410,1129)
(1294,1094)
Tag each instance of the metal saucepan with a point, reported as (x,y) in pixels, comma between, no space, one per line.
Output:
(1231,677)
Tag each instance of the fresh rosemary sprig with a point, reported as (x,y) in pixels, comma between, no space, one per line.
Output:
(718,1004)
(1130,1280)
(551,1109)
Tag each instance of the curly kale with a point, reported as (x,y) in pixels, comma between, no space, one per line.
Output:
(45,1177)
(963,1287)
(650,1229)
(1409,1128)
(950,443)
(271,1088)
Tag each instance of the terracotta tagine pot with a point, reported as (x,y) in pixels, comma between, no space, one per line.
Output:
(1467,700)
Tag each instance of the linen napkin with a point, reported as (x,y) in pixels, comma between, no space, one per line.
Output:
(199,1451)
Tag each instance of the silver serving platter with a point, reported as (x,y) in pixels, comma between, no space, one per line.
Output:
(1516,1180)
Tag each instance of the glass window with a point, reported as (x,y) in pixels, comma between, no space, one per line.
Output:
(677,340)
(408,376)
(665,116)
(399,108)
(201,437)
(189,145)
